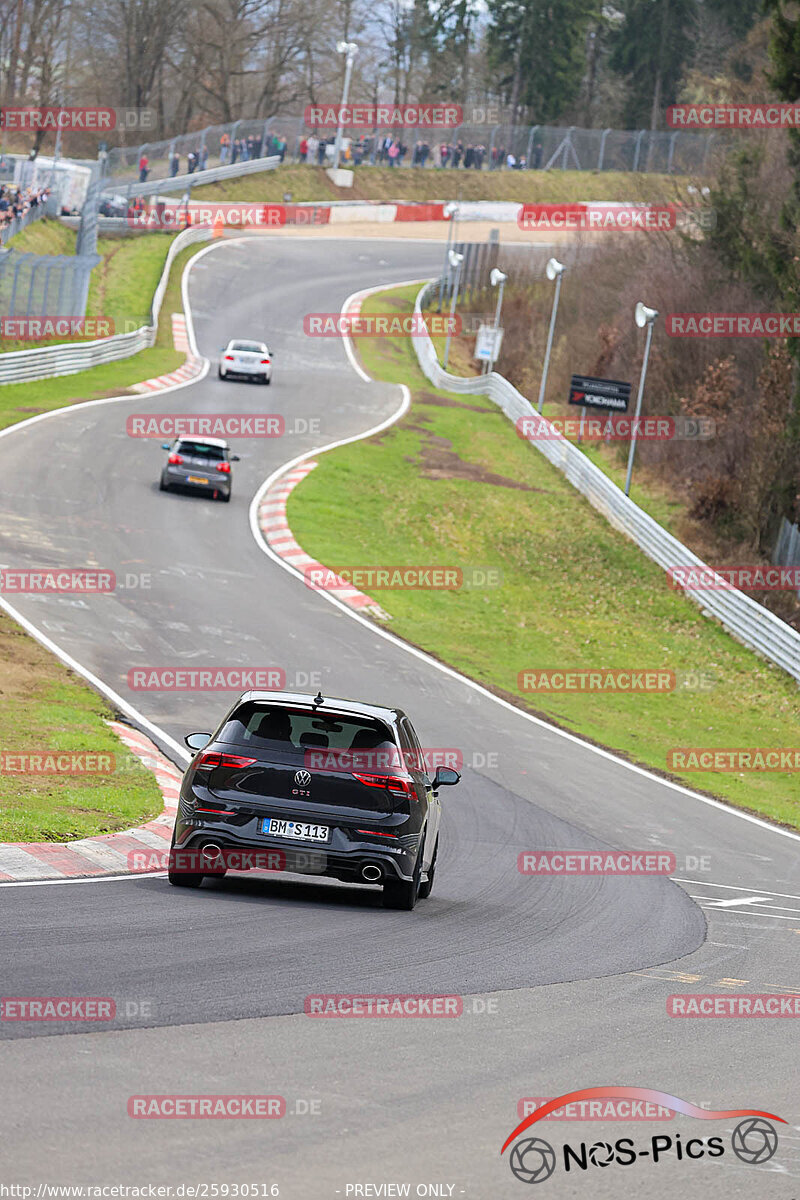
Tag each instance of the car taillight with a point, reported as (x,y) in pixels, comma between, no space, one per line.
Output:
(396,784)
(376,833)
(225,467)
(211,759)
(265,362)
(175,459)
(228,358)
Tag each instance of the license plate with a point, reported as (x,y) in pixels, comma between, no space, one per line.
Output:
(197,479)
(296,830)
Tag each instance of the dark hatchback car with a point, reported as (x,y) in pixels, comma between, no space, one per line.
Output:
(199,464)
(333,787)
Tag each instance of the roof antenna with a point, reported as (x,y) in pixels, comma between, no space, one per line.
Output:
(318,699)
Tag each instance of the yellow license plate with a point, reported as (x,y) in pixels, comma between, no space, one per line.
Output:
(197,479)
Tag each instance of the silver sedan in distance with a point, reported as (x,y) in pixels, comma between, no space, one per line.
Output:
(248,360)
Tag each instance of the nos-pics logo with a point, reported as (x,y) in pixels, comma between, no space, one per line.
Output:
(533,1160)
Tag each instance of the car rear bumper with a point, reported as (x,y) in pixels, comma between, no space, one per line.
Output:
(337,860)
(190,479)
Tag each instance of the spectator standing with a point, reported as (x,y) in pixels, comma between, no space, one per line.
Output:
(191,162)
(537,156)
(224,148)
(303,149)
(313,145)
(174,164)
(144,166)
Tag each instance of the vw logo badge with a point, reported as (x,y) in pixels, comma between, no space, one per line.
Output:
(302,778)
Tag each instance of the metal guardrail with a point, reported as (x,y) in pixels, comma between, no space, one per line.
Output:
(181,183)
(69,358)
(748,621)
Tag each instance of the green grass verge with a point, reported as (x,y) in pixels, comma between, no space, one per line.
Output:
(452,484)
(47,707)
(309,183)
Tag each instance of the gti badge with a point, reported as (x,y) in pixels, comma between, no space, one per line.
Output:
(303,781)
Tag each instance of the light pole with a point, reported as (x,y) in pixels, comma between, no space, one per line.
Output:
(496,277)
(643,316)
(351,50)
(455,261)
(450,210)
(554,270)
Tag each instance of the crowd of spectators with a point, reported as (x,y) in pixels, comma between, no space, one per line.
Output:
(384,150)
(17,201)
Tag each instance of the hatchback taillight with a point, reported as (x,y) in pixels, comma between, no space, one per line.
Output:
(210,759)
(398,785)
(225,467)
(265,362)
(175,459)
(228,358)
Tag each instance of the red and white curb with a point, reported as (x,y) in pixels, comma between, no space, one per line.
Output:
(132,851)
(274,525)
(189,370)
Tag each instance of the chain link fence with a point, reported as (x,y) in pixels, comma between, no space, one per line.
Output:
(547,147)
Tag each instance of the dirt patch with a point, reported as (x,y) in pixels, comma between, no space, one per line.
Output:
(438,461)
(446,402)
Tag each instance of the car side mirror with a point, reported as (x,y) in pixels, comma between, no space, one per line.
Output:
(165,446)
(235,458)
(445,777)
(197,741)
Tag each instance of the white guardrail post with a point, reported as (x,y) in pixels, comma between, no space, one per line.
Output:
(70,357)
(748,621)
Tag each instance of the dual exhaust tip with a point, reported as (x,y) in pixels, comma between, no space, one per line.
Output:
(370,872)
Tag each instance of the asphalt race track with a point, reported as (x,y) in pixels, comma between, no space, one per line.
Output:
(565,980)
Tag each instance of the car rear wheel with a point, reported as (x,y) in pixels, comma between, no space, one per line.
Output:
(426,888)
(182,879)
(403,893)
(267,380)
(162,486)
(220,373)
(224,497)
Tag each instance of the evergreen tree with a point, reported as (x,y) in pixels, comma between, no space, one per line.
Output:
(653,46)
(537,50)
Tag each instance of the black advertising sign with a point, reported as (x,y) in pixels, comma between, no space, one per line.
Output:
(609,395)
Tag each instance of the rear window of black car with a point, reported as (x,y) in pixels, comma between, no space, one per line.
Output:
(295,732)
(201,450)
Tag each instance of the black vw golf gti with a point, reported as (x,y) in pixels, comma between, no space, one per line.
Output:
(314,785)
